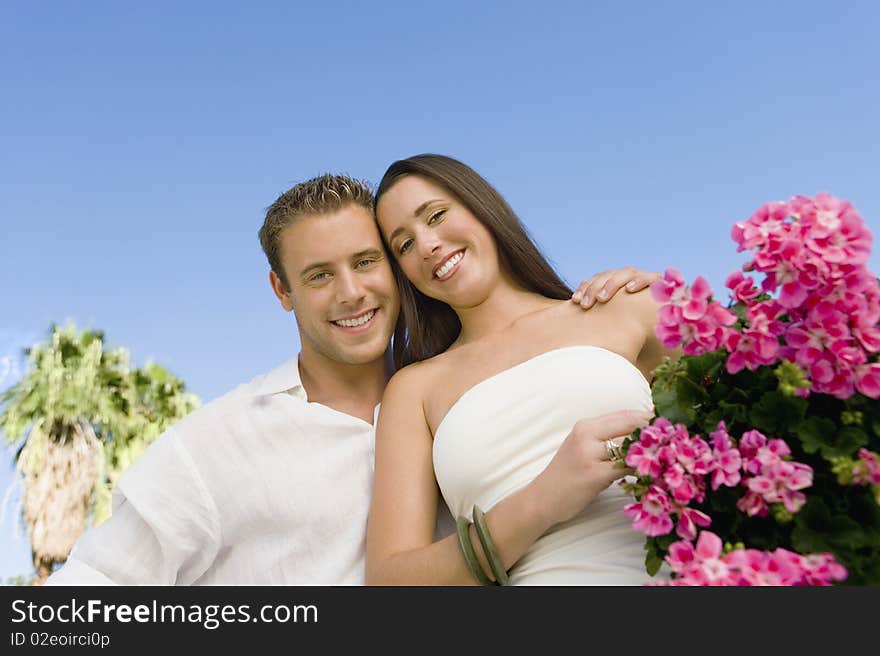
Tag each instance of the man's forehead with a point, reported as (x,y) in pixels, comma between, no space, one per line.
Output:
(331,237)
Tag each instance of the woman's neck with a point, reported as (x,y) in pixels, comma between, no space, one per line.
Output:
(504,305)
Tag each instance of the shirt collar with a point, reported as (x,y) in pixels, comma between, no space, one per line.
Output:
(284,379)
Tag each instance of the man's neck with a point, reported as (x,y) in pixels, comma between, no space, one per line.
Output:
(354,389)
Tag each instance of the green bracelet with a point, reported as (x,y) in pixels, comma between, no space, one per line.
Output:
(463,527)
(489,549)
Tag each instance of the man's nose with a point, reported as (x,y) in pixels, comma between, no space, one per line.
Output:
(349,287)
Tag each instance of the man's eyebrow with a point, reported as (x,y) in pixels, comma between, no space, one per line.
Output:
(367,252)
(421,208)
(314,265)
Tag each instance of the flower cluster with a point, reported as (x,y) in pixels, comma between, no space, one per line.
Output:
(706,564)
(678,465)
(863,470)
(784,381)
(813,252)
(772,478)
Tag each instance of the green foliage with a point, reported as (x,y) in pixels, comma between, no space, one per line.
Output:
(72,378)
(20,580)
(823,432)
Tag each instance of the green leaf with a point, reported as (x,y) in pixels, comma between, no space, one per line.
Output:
(665,541)
(734,412)
(653,559)
(709,364)
(777,411)
(815,433)
(739,309)
(841,533)
(668,404)
(846,442)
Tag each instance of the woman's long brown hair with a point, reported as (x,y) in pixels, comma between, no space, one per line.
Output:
(427,326)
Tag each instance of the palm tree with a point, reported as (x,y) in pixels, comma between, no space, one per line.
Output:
(84,415)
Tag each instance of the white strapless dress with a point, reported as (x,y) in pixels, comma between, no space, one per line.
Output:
(502,432)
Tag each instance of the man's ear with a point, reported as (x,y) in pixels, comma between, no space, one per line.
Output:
(280,291)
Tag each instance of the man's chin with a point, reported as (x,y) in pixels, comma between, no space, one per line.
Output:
(366,354)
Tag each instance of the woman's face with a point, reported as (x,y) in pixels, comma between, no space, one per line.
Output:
(441,247)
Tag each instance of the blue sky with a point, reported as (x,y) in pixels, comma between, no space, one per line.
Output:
(140,145)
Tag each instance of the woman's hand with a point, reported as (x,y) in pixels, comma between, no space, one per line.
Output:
(582,468)
(603,286)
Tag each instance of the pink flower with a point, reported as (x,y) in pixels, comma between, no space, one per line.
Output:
(752,504)
(774,480)
(754,232)
(750,349)
(743,288)
(701,565)
(648,455)
(651,514)
(680,484)
(868,379)
(836,232)
(692,452)
(688,520)
(821,569)
(689,317)
(778,448)
(670,288)
(727,459)
(867,470)
(705,565)
(749,444)
(765,568)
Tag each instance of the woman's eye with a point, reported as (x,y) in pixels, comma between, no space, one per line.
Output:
(405,246)
(436,216)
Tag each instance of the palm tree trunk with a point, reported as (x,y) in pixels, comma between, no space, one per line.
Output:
(59,468)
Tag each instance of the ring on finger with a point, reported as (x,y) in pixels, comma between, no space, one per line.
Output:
(613,451)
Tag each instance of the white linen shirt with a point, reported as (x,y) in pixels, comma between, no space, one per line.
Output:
(258,487)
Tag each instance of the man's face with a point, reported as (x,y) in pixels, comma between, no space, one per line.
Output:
(342,290)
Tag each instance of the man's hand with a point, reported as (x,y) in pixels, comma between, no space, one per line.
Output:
(603,286)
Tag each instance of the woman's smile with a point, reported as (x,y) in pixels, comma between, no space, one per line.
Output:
(447,268)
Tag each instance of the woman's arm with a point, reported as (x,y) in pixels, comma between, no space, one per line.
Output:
(400,530)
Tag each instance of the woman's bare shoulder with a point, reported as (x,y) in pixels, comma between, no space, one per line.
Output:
(638,305)
(413,377)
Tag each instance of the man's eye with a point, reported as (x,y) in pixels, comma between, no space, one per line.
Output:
(318,277)
(405,246)
(436,216)
(365,263)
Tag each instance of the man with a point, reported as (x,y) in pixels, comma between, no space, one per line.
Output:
(270,483)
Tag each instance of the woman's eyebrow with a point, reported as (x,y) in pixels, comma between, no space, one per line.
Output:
(421,208)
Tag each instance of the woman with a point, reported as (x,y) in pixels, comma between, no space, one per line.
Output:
(501,366)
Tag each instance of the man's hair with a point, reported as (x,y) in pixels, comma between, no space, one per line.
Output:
(322,195)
